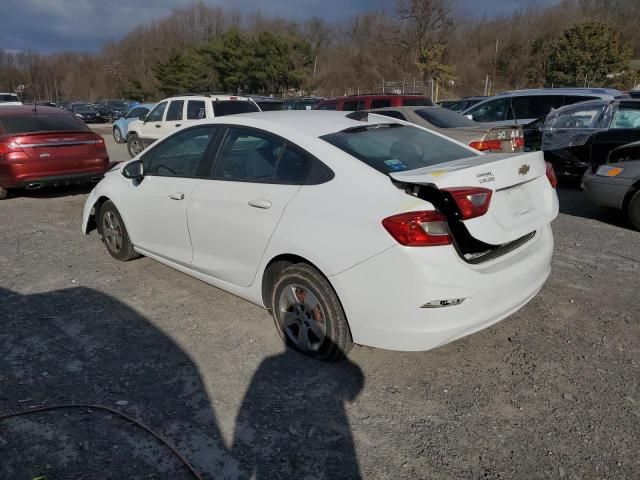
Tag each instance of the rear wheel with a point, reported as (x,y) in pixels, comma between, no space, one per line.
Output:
(134,145)
(114,233)
(117,135)
(308,314)
(4,193)
(633,210)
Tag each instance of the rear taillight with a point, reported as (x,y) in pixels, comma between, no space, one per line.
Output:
(418,229)
(517,143)
(472,201)
(485,145)
(100,145)
(9,146)
(551,175)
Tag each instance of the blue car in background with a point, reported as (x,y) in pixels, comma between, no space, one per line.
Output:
(121,126)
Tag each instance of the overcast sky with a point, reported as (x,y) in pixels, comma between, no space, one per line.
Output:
(54,25)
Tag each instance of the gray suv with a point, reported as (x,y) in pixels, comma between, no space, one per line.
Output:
(526,106)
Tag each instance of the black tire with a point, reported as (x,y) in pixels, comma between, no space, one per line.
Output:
(633,210)
(110,118)
(300,278)
(114,233)
(4,193)
(117,136)
(134,145)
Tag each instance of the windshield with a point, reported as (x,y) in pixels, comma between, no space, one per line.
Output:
(230,107)
(83,109)
(443,118)
(392,147)
(41,123)
(8,97)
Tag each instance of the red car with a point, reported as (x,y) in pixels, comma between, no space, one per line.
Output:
(353,103)
(47,147)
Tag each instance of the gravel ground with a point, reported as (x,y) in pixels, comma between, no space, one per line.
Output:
(551,392)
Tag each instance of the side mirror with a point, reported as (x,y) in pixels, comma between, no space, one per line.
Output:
(133,170)
(143,117)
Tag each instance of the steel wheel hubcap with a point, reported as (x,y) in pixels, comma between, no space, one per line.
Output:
(112,231)
(302,317)
(116,134)
(136,146)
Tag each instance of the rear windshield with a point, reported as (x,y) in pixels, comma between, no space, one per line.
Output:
(443,118)
(7,97)
(231,107)
(41,123)
(393,148)
(83,108)
(270,106)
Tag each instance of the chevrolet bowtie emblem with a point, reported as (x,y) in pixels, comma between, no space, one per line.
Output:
(524,169)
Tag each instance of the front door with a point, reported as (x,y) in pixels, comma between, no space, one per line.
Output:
(151,129)
(156,209)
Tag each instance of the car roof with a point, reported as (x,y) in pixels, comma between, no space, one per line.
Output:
(315,123)
(409,108)
(603,92)
(28,109)
(206,96)
(598,101)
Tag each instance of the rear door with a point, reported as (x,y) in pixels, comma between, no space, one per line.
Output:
(623,129)
(155,209)
(233,214)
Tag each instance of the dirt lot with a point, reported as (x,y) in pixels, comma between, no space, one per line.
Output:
(551,392)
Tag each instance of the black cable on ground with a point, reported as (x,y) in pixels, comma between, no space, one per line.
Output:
(159,437)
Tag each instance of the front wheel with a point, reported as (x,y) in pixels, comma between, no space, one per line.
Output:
(308,314)
(114,233)
(633,210)
(117,135)
(134,145)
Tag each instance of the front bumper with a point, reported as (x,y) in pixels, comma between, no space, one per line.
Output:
(383,296)
(606,191)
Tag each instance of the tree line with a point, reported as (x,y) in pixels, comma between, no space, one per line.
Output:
(202,48)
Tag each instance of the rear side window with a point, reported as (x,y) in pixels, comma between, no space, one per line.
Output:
(231,107)
(580,116)
(392,148)
(328,106)
(571,99)
(535,106)
(379,103)
(41,123)
(175,110)
(252,156)
(195,110)
(353,106)
(7,97)
(416,102)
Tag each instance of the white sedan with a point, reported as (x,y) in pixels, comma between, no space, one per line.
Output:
(348,227)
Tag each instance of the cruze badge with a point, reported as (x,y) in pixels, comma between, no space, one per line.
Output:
(524,169)
(43,155)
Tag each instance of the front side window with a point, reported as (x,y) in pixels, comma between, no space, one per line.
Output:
(492,111)
(393,147)
(175,110)
(180,155)
(156,114)
(196,110)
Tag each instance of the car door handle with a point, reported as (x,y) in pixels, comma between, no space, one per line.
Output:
(178,124)
(158,125)
(263,204)
(177,196)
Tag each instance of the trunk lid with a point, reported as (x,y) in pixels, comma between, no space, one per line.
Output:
(522,201)
(59,146)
